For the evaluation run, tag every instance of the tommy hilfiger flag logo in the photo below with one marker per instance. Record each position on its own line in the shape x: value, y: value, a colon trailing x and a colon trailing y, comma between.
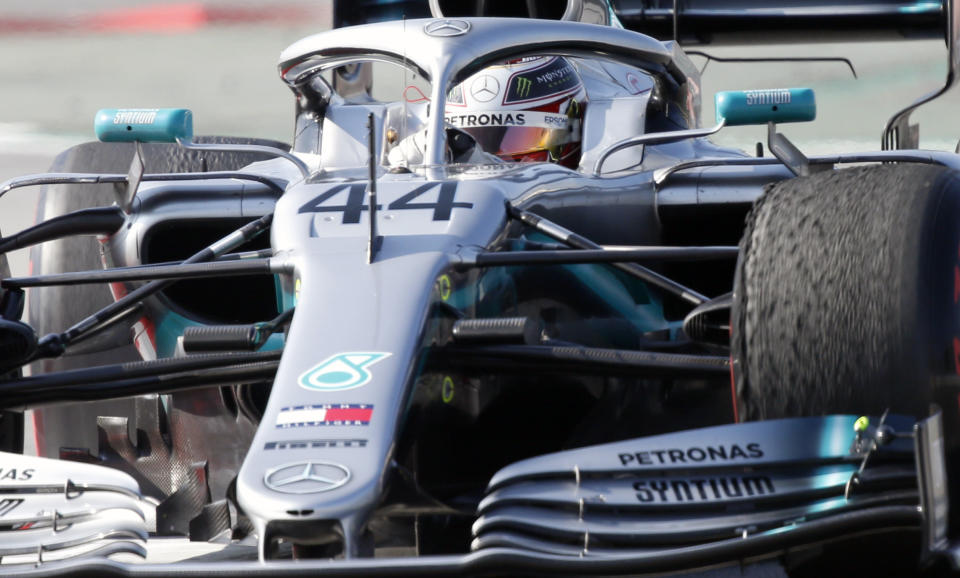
x: 325, y: 414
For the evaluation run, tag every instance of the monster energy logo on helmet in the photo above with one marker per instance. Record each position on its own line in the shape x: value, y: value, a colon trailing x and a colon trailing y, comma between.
x: 555, y: 77
x: 523, y: 86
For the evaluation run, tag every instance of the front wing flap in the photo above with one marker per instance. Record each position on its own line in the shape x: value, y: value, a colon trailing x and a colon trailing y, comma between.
x: 675, y: 501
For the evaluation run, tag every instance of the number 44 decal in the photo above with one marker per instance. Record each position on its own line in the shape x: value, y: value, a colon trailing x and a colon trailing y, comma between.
x: 356, y: 205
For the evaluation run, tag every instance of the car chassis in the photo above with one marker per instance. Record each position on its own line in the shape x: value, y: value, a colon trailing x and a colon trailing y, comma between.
x: 394, y: 290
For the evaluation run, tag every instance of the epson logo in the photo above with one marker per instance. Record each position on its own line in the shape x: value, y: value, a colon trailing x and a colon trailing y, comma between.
x: 765, y: 97
x: 692, y: 455
x: 556, y: 121
x: 135, y: 117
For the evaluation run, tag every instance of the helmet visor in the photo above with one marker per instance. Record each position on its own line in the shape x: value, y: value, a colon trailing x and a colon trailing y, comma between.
x: 511, y: 133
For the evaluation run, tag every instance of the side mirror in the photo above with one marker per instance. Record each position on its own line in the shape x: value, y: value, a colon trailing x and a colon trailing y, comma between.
x: 777, y: 105
x: 140, y: 125
x: 144, y: 124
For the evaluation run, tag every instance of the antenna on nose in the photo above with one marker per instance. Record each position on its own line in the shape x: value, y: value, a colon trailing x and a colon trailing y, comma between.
x: 375, y: 240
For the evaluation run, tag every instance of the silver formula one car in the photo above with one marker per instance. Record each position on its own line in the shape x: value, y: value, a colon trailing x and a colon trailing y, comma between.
x: 523, y: 318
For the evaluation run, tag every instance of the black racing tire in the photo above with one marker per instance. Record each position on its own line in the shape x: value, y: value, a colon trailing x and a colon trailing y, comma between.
x: 845, y: 298
x: 53, y: 309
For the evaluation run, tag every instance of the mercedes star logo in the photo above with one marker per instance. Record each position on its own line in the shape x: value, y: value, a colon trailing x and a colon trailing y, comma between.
x: 485, y: 88
x: 306, y: 477
x: 447, y: 27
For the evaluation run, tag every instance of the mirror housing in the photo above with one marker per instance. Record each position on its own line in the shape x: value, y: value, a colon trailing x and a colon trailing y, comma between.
x: 777, y: 105
x: 144, y: 124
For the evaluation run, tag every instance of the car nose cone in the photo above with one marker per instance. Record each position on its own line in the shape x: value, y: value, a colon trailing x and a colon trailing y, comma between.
x: 306, y: 477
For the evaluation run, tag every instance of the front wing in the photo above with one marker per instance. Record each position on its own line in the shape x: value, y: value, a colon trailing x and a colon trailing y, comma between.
x: 677, y: 501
